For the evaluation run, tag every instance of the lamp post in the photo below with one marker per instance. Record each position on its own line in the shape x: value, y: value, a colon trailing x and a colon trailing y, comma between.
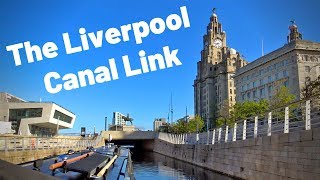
x: 105, y: 123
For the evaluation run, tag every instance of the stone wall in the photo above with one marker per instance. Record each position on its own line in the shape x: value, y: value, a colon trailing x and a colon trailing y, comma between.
x: 295, y: 155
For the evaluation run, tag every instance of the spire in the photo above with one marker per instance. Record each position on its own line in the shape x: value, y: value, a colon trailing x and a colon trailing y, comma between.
x: 214, y: 12
x: 214, y: 25
x: 294, y: 33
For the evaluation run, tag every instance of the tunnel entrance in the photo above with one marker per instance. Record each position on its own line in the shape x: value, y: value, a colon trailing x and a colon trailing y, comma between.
x: 139, y: 145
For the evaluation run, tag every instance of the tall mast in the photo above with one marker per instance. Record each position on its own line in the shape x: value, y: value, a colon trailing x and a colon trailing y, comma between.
x: 171, y: 109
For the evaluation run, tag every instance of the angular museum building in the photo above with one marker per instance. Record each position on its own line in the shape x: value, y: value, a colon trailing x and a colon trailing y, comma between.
x: 32, y: 118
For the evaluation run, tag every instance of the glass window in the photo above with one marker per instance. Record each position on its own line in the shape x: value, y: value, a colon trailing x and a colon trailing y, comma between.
x: 63, y: 117
x: 285, y: 74
x: 254, y: 94
x: 269, y: 79
x: 16, y: 115
x: 270, y: 89
x: 262, y: 92
x: 248, y: 95
x: 260, y: 71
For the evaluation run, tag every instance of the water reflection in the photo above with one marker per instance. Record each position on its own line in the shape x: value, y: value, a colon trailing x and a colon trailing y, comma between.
x: 155, y: 166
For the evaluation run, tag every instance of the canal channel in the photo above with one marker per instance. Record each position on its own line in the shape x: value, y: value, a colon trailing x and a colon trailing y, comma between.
x: 154, y: 166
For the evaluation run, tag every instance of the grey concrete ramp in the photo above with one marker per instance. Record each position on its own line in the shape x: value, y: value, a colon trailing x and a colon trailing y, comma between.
x: 10, y: 171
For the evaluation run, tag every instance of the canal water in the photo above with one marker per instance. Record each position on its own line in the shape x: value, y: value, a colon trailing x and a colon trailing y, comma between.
x: 154, y: 166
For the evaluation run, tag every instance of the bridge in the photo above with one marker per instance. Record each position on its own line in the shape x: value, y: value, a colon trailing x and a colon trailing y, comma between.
x: 142, y: 140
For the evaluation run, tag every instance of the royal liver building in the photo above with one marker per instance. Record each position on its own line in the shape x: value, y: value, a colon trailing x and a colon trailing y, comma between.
x: 214, y: 85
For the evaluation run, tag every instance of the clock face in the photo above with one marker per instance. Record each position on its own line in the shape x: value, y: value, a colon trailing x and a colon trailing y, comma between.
x: 217, y: 43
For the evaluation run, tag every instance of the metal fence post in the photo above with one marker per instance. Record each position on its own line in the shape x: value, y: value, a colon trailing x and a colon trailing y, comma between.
x: 226, y: 135
x: 244, y: 132
x: 219, y: 135
x: 213, y: 136
x: 286, y: 120
x: 308, y: 124
x: 234, y: 135
x: 269, y: 123
x: 255, y: 130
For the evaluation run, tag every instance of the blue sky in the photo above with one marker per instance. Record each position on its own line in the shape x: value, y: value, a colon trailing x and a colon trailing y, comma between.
x: 145, y: 96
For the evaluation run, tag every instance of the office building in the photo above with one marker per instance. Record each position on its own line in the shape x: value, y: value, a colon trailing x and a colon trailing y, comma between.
x: 158, y: 122
x: 118, y: 119
x: 292, y: 65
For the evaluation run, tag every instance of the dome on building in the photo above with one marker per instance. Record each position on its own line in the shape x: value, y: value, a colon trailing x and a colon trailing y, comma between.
x: 214, y: 15
x: 293, y: 26
x: 233, y: 51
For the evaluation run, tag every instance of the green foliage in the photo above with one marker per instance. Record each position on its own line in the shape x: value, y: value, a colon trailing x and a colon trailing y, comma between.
x: 182, y: 126
x: 241, y: 111
x: 311, y: 89
x: 281, y: 98
x: 247, y: 109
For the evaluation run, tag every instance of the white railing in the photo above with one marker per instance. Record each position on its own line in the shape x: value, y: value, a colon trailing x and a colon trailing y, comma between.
x: 16, y: 143
x: 300, y: 115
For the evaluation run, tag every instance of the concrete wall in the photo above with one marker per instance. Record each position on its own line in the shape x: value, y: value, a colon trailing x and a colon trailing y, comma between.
x: 129, y: 135
x: 17, y: 157
x: 281, y: 156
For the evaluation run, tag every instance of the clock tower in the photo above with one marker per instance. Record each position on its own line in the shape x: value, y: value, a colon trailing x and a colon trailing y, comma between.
x: 214, y: 86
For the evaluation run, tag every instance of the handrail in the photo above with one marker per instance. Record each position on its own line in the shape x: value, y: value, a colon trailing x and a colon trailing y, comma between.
x: 107, y: 166
x: 60, y: 164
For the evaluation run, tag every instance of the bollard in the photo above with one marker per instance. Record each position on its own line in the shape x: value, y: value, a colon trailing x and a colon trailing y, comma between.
x: 269, y: 123
x: 308, y: 125
x: 244, y: 132
x: 286, y: 120
x: 213, y: 136
x: 219, y: 135
x: 255, y: 130
x: 226, y: 135
x: 234, y: 137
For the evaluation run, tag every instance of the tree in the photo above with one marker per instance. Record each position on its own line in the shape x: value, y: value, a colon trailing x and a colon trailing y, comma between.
x: 182, y: 126
x: 195, y: 124
x: 281, y: 98
x: 311, y: 89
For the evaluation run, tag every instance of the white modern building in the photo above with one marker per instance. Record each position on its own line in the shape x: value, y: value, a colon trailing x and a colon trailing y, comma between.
x: 118, y: 119
x: 33, y: 118
x: 158, y: 122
